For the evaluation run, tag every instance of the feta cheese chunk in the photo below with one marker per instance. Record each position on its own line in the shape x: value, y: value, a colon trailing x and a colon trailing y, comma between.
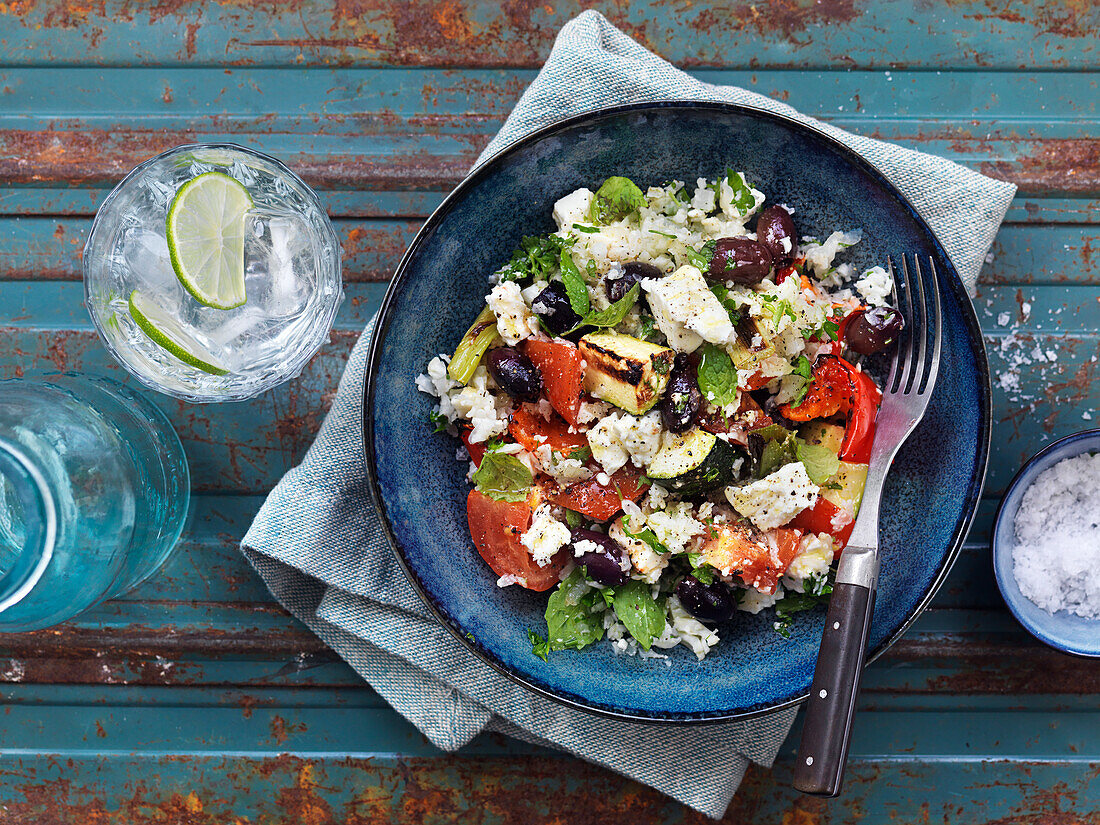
x: 515, y: 320
x: 876, y: 286
x: 621, y: 437
x: 686, y: 311
x: 776, y: 499
x: 573, y: 208
x: 545, y: 537
x: 815, y: 557
x: 647, y: 562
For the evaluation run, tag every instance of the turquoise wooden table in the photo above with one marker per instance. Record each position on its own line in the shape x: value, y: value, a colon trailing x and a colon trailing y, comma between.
x: 198, y: 700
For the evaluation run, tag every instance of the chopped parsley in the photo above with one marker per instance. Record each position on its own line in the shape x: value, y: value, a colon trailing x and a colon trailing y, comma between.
x: 539, y: 646
x: 438, y: 421
x: 701, y: 259
x: 536, y: 258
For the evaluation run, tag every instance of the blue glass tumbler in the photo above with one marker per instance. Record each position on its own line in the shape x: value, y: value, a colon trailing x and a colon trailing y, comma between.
x: 94, y: 491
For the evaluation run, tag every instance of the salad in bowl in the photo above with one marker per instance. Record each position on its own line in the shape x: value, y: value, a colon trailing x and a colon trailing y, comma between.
x: 664, y: 412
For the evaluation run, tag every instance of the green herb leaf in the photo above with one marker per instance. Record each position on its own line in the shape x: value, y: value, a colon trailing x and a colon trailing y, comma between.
x: 701, y: 259
x: 802, y: 369
x: 503, y: 477
x: 717, y: 376
x: 614, y: 314
x: 777, y: 453
x: 647, y: 329
x: 742, y: 193
x: 616, y: 198
x: 608, y: 595
x: 820, y: 462
x: 588, y: 230
x: 571, y: 621
x: 646, y: 535
x: 664, y: 234
x: 701, y: 570
x: 732, y: 307
x: 539, y: 646
x: 575, y: 287
x: 828, y: 331
x: 438, y: 421
x: 580, y: 453
x: 636, y: 608
x: 793, y: 603
x: 573, y: 519
x: 536, y: 258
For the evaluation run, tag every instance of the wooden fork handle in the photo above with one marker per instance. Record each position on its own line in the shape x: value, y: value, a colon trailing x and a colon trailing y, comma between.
x: 828, y: 724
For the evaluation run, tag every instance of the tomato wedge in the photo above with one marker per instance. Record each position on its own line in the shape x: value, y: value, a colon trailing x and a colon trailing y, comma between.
x: 822, y: 518
x: 562, y: 369
x: 476, y: 449
x: 745, y: 552
x: 496, y: 528
x: 532, y: 431
x: 600, y: 501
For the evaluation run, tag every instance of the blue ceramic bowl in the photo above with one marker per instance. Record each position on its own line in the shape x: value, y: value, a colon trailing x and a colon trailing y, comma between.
x: 439, y: 288
x: 1063, y: 630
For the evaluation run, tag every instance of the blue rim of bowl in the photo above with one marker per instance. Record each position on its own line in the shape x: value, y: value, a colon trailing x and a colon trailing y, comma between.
x: 1022, y: 475
x: 374, y: 356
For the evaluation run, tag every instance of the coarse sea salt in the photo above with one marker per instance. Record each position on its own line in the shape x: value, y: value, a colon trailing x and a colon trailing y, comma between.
x: 1056, y: 559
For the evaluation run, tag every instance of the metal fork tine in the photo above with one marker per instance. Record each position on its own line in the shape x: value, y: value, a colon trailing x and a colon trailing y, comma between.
x: 889, y: 384
x: 920, y: 364
x: 935, y: 325
x: 905, y: 352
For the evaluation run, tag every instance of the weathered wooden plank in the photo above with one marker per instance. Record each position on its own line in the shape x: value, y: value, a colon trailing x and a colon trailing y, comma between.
x: 36, y: 247
x: 433, y: 102
x: 1053, y: 167
x: 839, y: 33
x: 498, y: 788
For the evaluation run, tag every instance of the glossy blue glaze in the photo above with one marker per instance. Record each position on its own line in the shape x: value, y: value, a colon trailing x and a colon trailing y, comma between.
x: 1063, y: 630
x: 439, y: 288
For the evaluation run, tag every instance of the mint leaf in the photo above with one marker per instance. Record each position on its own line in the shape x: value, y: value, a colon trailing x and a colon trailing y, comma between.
x: 573, y: 519
x: 776, y: 453
x: 616, y: 198
x: 717, y: 376
x: 820, y: 462
x: 732, y: 307
x: 503, y: 477
x: 571, y: 621
x: 539, y: 646
x: 643, y: 617
x: 438, y: 421
x: 575, y: 286
x: 701, y: 259
x: 614, y: 314
x: 742, y: 193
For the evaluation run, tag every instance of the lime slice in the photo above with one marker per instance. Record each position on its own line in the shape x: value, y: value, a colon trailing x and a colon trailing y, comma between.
x: 155, y: 321
x: 205, y: 229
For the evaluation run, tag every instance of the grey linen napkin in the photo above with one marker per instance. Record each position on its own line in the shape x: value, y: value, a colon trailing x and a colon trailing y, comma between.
x: 318, y: 544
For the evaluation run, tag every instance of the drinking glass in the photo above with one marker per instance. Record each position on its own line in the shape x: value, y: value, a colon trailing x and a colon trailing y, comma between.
x: 160, y: 332
x: 94, y: 493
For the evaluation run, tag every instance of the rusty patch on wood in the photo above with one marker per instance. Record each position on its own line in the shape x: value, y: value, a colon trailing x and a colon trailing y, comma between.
x: 1053, y: 167
x: 971, y: 665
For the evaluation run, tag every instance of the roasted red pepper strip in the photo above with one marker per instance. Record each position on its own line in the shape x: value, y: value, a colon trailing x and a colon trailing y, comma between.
x: 859, y: 434
x: 600, y: 501
x: 838, y: 387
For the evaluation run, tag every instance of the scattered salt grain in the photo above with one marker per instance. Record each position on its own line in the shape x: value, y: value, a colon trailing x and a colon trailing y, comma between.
x: 1057, y: 554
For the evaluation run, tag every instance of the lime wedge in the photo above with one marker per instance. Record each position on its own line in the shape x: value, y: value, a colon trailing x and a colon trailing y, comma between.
x: 164, y: 329
x: 205, y: 229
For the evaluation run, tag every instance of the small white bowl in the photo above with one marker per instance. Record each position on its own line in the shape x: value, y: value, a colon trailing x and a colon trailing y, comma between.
x: 1063, y: 630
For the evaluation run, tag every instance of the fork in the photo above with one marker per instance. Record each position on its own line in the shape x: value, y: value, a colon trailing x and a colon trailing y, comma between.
x: 827, y: 729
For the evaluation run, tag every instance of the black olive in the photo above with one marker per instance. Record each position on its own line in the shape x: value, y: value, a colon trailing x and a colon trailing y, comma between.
x: 632, y: 273
x: 604, y: 564
x: 873, y: 330
x: 712, y: 603
x: 515, y: 373
x: 741, y: 260
x: 552, y: 306
x: 682, y: 400
x: 775, y: 230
